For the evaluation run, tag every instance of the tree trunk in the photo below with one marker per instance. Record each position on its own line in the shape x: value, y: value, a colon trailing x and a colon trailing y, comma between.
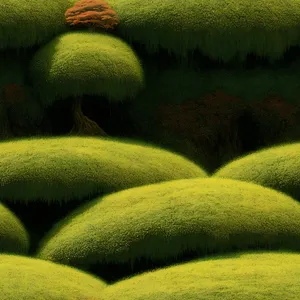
x: 82, y: 124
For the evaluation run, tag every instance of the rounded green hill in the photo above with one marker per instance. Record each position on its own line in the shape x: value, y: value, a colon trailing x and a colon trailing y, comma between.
x: 25, y: 24
x: 162, y: 221
x: 247, y: 276
x: 276, y: 167
x: 221, y: 29
x: 28, y: 278
x: 86, y: 63
x: 70, y: 168
x: 13, y: 236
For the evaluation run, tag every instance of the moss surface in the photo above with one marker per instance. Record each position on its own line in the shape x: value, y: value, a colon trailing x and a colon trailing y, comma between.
x: 28, y: 278
x: 165, y: 220
x: 13, y: 236
x: 79, y: 63
x: 221, y: 29
x: 67, y: 168
x: 244, y: 276
x: 276, y: 167
x: 27, y: 23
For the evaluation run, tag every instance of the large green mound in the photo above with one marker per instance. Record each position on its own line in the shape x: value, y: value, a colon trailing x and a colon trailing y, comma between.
x: 247, y: 276
x: 276, y: 167
x: 27, y: 23
x: 166, y: 220
x: 13, y: 236
x: 221, y: 29
x: 24, y: 278
x: 67, y: 168
x: 79, y: 63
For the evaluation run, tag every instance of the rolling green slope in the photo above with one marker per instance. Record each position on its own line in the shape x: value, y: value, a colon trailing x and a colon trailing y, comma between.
x: 24, y: 278
x: 163, y: 221
x: 13, y: 236
x: 246, y: 276
x: 69, y: 168
x: 276, y: 167
x: 221, y: 29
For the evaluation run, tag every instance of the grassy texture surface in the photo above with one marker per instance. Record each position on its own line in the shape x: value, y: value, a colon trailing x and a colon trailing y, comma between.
x: 24, y: 278
x: 13, y: 236
x: 79, y: 63
x: 27, y: 23
x: 221, y: 29
x: 164, y: 220
x: 246, y: 276
x: 275, y: 167
x: 68, y: 168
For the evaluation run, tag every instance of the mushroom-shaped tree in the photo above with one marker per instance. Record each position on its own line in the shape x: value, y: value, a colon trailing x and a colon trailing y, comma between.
x: 85, y: 63
x: 95, y: 14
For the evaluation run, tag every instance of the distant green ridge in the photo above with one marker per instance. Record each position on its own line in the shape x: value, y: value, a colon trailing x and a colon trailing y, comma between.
x: 221, y: 29
x: 24, y: 278
x: 25, y: 24
x: 163, y: 221
x: 275, y: 167
x: 247, y: 276
x: 59, y: 169
x: 13, y: 236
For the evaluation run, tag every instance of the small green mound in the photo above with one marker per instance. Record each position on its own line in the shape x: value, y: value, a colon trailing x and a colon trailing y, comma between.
x: 68, y: 168
x: 25, y: 24
x: 247, y: 276
x: 163, y: 221
x: 13, y: 236
x: 79, y: 63
x: 221, y: 29
x: 276, y: 167
x: 25, y: 278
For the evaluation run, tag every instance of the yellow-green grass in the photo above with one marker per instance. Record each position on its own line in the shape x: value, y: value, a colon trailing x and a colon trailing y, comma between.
x: 79, y: 63
x: 221, y: 29
x: 13, y: 236
x: 25, y: 24
x: 275, y: 167
x: 164, y: 221
x: 25, y: 278
x: 260, y: 276
x: 68, y: 168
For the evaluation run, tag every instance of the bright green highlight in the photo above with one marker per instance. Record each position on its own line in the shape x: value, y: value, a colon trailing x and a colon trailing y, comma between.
x: 79, y: 63
x: 28, y: 278
x: 275, y: 167
x: 13, y: 236
x: 247, y: 276
x: 28, y: 23
x: 221, y: 29
x: 68, y: 168
x: 162, y: 221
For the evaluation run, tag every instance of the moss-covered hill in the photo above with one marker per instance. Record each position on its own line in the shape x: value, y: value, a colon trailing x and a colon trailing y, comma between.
x: 24, y: 278
x: 276, y: 167
x: 220, y: 29
x: 13, y: 236
x: 162, y: 222
x: 70, y: 168
x: 246, y: 276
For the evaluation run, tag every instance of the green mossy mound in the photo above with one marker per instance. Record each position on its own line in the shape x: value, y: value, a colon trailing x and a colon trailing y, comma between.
x: 164, y: 221
x: 13, y: 236
x: 276, y: 167
x: 69, y: 168
x: 25, y: 278
x: 247, y: 276
x: 221, y: 29
x: 79, y: 63
x: 25, y: 24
